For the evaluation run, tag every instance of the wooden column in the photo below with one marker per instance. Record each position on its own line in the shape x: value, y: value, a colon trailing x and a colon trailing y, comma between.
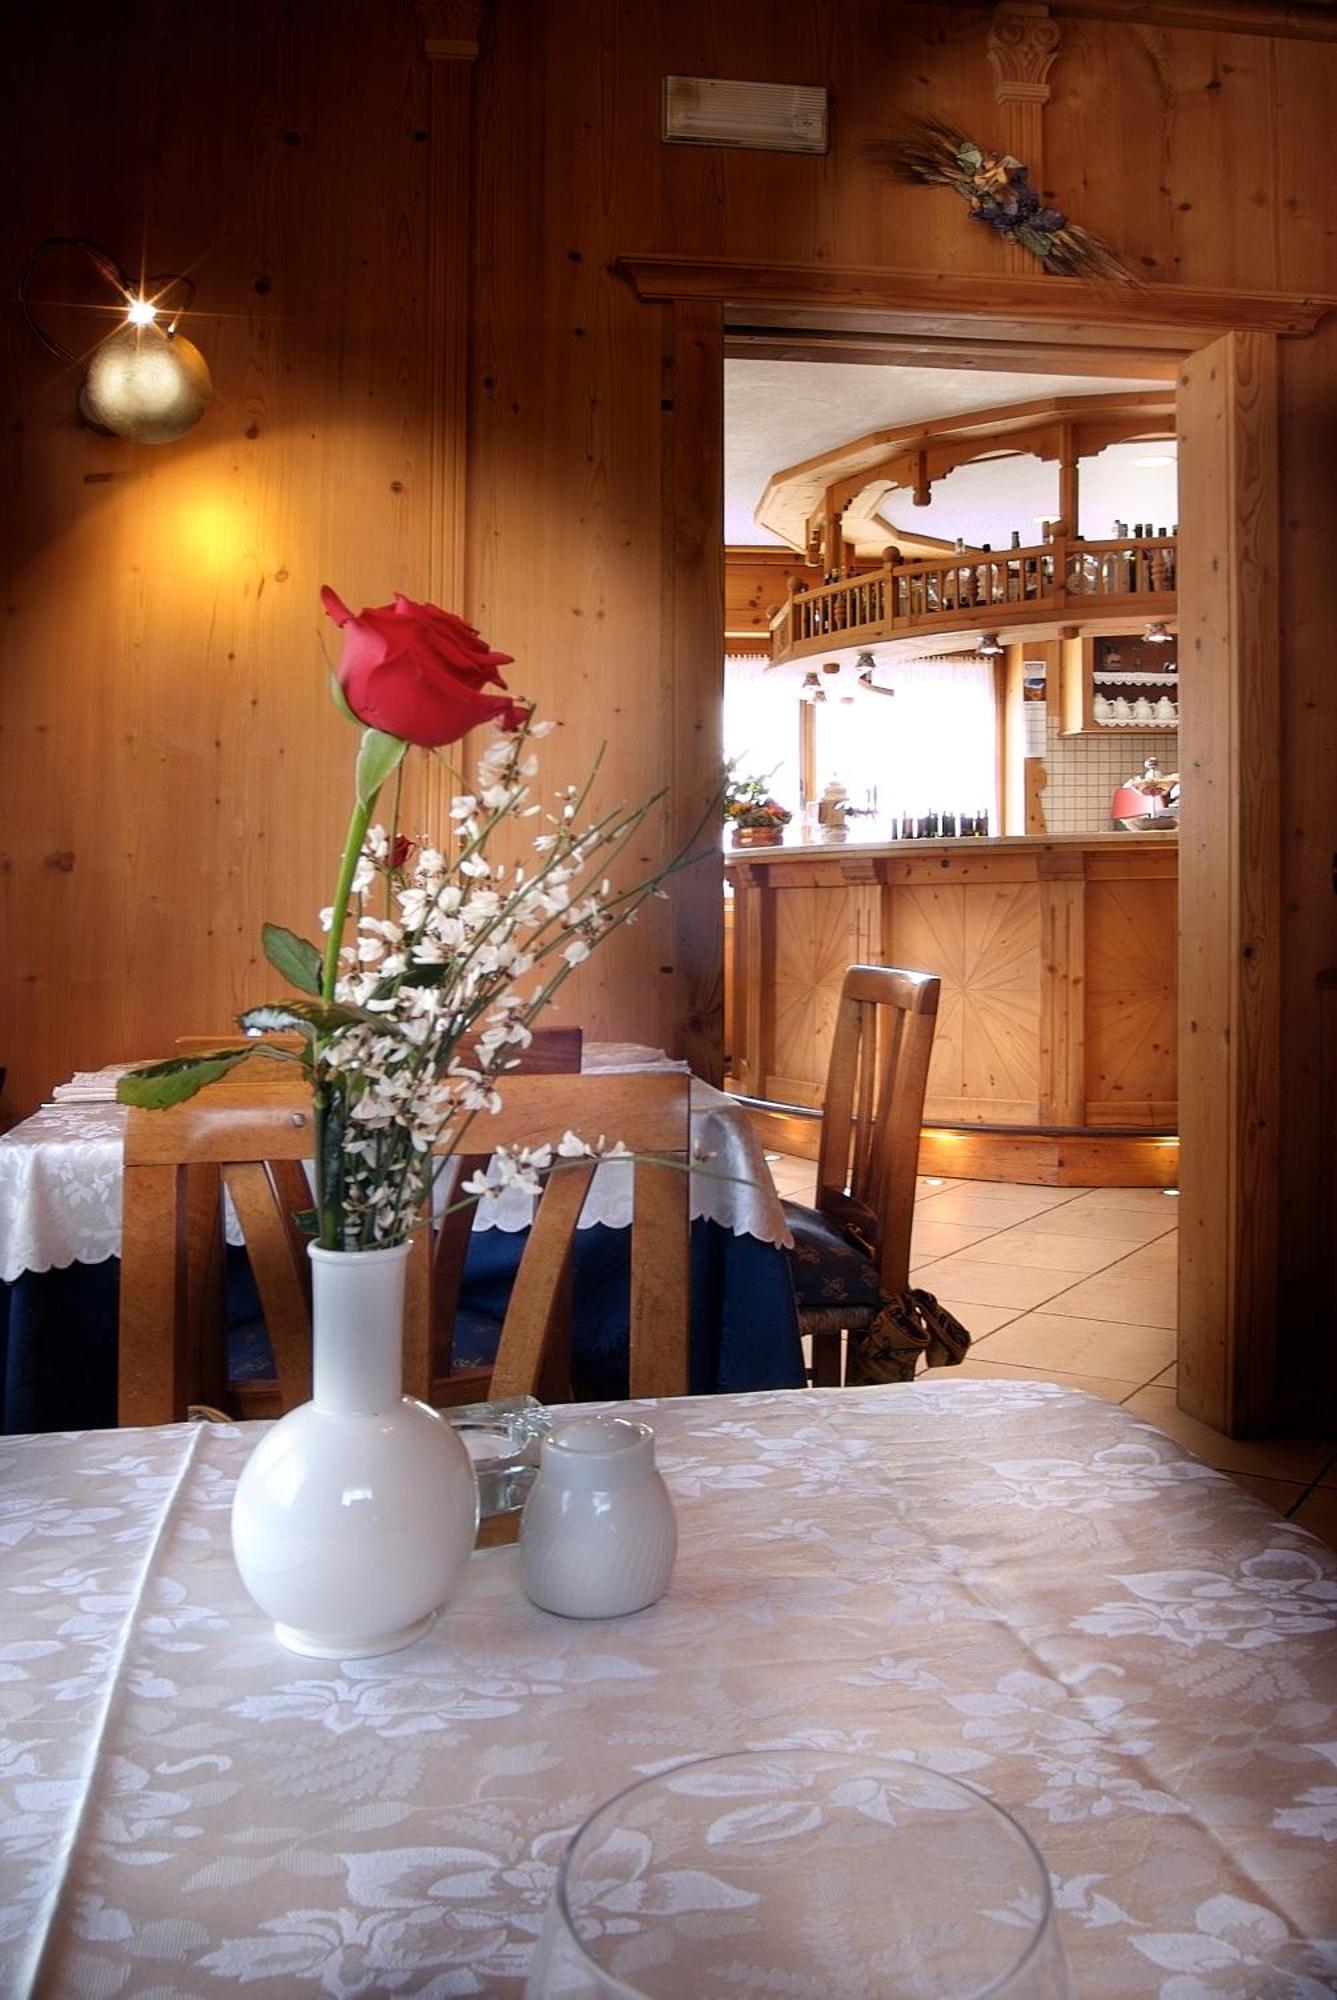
x: 1023, y: 42
x: 1229, y: 857
x: 450, y: 42
x: 693, y: 619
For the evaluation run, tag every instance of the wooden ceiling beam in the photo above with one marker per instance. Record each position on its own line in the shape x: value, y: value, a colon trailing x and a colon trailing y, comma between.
x: 891, y: 350
x: 1180, y: 318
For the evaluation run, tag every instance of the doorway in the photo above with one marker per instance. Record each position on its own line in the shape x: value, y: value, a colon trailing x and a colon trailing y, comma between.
x: 1229, y: 866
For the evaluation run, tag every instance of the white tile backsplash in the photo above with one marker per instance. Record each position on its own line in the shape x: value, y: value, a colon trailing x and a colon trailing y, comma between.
x: 1083, y: 772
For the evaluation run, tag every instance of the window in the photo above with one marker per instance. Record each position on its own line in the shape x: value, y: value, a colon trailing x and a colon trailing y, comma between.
x: 761, y: 720
x: 933, y: 748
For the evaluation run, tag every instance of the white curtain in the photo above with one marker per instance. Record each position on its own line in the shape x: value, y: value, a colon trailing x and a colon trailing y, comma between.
x: 931, y: 748
x: 761, y: 713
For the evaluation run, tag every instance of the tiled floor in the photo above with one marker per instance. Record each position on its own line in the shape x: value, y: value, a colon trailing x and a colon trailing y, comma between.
x: 1077, y: 1285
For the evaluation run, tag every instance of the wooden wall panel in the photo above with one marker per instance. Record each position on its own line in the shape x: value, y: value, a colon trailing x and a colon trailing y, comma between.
x: 1306, y: 1306
x: 1230, y: 884
x: 756, y: 584
x: 171, y: 768
x: 1131, y: 1002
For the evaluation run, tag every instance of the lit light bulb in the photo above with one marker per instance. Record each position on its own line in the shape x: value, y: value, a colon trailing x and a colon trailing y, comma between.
x: 145, y: 383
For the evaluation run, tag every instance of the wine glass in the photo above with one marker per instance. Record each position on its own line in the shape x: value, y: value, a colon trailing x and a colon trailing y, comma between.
x: 821, y: 1873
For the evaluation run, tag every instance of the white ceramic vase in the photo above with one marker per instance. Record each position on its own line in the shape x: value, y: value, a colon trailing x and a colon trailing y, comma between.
x: 356, y: 1512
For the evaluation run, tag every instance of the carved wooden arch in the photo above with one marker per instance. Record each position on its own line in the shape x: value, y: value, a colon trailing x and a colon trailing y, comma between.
x: 805, y: 503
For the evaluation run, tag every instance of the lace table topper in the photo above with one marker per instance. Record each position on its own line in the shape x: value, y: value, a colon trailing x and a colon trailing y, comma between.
x: 60, y: 1176
x: 1009, y: 1583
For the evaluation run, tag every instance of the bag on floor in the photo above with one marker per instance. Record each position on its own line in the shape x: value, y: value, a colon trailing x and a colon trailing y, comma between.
x: 908, y: 1326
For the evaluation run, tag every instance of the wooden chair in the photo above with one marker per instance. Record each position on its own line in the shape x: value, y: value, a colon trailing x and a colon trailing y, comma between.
x: 251, y: 1134
x: 852, y: 1247
x: 650, y: 1114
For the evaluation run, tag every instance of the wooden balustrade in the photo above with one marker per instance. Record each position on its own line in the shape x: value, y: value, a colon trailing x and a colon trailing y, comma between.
x: 1063, y: 578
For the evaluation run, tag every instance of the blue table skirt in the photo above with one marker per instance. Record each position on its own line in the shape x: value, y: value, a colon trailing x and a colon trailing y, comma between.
x: 58, y: 1328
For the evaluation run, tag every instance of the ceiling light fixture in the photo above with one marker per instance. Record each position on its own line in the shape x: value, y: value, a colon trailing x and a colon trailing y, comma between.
x: 145, y: 381
x: 990, y: 646
x: 866, y: 665
x: 1155, y: 633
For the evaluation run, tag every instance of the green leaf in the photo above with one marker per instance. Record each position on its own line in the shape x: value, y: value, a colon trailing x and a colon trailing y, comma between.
x: 159, y: 1084
x: 340, y: 700
x: 298, y: 961
x: 305, y: 1017
x: 1034, y: 240
x: 970, y: 157
x: 377, y: 758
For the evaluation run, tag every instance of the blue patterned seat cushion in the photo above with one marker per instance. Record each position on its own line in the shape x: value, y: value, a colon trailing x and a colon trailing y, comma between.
x: 825, y: 1266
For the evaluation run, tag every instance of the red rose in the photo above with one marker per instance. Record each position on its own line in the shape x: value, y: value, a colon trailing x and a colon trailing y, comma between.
x: 419, y: 673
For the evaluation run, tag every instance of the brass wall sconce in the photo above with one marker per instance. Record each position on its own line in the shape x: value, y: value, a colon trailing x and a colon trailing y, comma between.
x: 145, y: 381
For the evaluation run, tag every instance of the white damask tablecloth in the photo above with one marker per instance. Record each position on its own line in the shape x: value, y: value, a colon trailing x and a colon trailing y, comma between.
x: 60, y: 1176
x: 1012, y: 1583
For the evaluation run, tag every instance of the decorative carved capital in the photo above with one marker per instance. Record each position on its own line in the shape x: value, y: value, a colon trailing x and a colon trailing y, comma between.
x: 450, y: 29
x: 1023, y: 42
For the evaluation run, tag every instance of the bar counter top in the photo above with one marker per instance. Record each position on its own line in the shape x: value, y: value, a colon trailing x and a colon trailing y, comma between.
x: 960, y: 845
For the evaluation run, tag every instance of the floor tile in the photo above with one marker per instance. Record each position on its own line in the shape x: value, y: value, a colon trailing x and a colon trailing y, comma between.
x: 1279, y: 1493
x: 989, y: 1284
x: 939, y: 1239
x: 982, y: 1369
x: 1142, y: 1201
x: 1318, y: 1513
x: 995, y: 1211
x: 1035, y: 1250
x: 1272, y: 1458
x: 1149, y: 1299
x: 1119, y: 1225
x: 1128, y: 1354
x: 1030, y: 1191
x: 978, y: 1320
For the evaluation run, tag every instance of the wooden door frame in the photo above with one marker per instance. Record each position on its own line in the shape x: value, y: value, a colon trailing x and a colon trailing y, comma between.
x: 1230, y: 884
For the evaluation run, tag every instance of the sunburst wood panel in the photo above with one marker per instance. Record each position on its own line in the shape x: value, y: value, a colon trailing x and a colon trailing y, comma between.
x: 983, y: 941
x: 819, y: 933
x: 1131, y: 1001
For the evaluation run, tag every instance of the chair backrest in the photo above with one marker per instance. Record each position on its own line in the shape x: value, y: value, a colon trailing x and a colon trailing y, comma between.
x: 551, y: 1051
x: 650, y: 1114
x: 874, y: 1107
x: 251, y: 1133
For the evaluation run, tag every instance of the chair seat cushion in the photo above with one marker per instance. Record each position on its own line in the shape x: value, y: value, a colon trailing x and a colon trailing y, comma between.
x: 825, y: 1266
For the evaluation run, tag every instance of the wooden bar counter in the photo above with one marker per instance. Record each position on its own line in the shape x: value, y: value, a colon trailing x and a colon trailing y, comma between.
x: 1054, y: 1058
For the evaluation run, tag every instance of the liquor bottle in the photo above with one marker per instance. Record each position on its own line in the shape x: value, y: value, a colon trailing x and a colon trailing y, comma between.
x: 949, y: 826
x: 1016, y: 538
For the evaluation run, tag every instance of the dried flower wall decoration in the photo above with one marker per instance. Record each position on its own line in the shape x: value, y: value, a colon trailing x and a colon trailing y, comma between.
x: 931, y: 153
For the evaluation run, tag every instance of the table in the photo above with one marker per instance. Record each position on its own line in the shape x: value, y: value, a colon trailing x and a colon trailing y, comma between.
x: 60, y: 1234
x: 1012, y: 1583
